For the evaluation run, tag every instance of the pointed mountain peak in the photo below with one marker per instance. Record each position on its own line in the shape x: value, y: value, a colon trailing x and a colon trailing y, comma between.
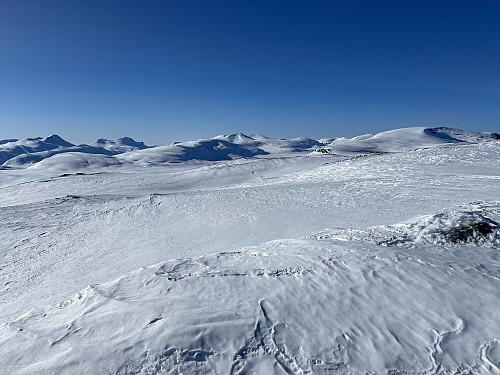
x: 57, y: 140
x: 238, y: 138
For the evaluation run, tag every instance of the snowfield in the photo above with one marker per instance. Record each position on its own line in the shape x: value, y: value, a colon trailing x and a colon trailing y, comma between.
x: 378, y: 254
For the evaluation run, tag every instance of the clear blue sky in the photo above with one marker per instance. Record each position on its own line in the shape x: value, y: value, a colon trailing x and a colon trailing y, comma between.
x: 161, y: 71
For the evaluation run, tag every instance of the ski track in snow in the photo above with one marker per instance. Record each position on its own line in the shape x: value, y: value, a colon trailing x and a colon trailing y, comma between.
x: 378, y: 263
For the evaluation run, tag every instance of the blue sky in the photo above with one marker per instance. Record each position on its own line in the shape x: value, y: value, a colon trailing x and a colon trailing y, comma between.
x: 163, y: 71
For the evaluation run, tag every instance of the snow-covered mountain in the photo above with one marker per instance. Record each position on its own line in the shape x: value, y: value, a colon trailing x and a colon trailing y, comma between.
x: 121, y: 145
x: 10, y: 148
x: 407, y: 139
x: 29, y: 152
x: 244, y: 254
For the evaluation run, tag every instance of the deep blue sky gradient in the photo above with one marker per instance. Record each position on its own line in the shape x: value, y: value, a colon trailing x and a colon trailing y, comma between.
x: 163, y: 71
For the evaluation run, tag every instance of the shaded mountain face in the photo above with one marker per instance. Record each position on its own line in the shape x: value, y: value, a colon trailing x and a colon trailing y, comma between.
x: 23, y: 153
x: 57, y: 141
x: 214, y: 150
x: 459, y: 135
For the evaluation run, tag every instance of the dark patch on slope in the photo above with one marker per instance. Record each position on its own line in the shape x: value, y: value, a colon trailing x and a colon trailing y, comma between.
x: 470, y: 232
x: 215, y: 150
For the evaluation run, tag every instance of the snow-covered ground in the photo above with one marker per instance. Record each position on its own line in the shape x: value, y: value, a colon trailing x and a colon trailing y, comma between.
x: 244, y: 254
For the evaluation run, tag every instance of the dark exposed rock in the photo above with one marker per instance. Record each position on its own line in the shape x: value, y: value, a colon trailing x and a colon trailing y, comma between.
x: 324, y: 151
x: 466, y: 234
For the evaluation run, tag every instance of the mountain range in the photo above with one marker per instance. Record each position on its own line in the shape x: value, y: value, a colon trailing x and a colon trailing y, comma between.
x: 54, y: 150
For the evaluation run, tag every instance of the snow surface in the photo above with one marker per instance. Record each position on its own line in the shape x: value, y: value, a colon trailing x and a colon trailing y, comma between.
x: 380, y: 255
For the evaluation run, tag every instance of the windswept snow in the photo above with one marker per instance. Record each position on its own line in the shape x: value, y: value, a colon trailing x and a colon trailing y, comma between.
x: 289, y: 306
x: 245, y: 254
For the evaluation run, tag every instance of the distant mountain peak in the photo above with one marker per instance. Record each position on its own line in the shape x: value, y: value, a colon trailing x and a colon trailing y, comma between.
x: 103, y: 141
x: 131, y: 142
x: 237, y: 138
x: 239, y: 134
x: 126, y: 141
x: 56, y: 140
x: 121, y: 144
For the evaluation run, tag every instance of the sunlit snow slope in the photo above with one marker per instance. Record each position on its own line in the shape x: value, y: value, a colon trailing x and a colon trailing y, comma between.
x: 244, y: 254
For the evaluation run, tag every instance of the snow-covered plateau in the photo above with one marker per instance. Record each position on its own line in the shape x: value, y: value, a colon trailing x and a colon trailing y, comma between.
x: 378, y: 254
